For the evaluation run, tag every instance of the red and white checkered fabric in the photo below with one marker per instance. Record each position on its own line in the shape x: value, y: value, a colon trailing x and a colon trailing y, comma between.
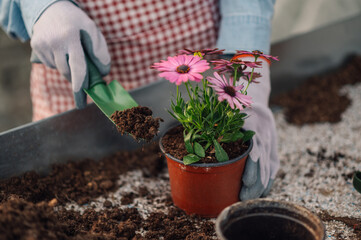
x: 138, y: 33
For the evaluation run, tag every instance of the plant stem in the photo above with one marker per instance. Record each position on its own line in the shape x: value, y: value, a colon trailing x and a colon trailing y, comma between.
x: 249, y: 81
x: 216, y: 106
x: 235, y: 75
x: 189, y: 94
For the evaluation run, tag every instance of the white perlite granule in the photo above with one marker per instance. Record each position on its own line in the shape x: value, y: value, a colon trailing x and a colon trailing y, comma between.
x: 130, y: 182
x: 319, y: 183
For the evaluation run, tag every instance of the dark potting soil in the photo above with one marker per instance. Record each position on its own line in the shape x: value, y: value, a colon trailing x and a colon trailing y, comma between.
x: 319, y: 99
x: 20, y: 219
x: 27, y: 203
x: 138, y: 122
x: 173, y: 143
x: 84, y: 180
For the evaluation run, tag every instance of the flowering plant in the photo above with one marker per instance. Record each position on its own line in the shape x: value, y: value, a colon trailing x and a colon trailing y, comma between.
x: 214, y: 113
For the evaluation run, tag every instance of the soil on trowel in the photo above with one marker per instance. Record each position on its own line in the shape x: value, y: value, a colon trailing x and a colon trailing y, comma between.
x: 173, y: 143
x: 319, y: 98
x: 138, y: 122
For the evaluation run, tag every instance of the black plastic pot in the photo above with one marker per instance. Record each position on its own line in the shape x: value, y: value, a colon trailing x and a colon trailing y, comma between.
x: 268, y: 219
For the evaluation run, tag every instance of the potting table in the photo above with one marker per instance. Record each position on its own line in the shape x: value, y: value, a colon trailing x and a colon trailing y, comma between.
x: 87, y: 133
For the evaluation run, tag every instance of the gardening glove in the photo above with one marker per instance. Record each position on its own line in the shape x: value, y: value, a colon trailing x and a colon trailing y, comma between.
x: 262, y: 163
x: 61, y: 38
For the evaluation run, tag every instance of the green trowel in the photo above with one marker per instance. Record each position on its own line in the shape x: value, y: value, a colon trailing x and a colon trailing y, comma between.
x: 109, y: 98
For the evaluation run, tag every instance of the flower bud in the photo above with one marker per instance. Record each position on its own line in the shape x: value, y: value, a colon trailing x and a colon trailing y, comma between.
x: 230, y: 114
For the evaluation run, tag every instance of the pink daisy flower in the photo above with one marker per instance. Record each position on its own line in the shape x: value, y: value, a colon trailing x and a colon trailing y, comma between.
x: 259, y: 54
x: 207, y: 51
x: 246, y: 63
x: 226, y: 91
x: 182, y: 68
x: 247, y: 75
x: 223, y: 66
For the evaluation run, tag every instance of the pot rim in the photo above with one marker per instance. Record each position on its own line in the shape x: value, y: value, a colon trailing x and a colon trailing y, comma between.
x: 205, y: 165
x: 357, y: 181
x: 261, y: 203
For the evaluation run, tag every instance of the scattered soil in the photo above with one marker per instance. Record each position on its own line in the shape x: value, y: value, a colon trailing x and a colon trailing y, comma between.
x: 173, y: 143
x: 177, y: 225
x: 138, y: 122
x: 84, y: 180
x: 322, y: 157
x: 27, y: 203
x: 20, y: 219
x: 319, y: 98
x: 128, y: 198
x: 354, y: 223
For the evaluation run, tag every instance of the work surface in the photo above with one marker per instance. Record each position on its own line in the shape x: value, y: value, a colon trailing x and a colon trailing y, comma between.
x: 317, y: 163
x: 317, y: 160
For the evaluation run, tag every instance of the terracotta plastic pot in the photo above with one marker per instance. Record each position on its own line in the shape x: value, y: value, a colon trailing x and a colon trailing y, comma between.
x: 266, y: 219
x: 205, y: 189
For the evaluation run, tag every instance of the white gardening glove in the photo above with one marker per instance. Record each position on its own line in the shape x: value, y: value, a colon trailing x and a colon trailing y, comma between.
x: 61, y: 37
x: 263, y: 163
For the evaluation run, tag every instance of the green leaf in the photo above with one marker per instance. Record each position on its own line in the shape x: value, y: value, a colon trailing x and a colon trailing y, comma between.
x: 236, y: 136
x: 207, y: 145
x: 188, y: 136
x: 221, y: 155
x: 247, y: 135
x: 178, y: 110
x: 243, y: 115
x: 198, y: 149
x: 189, y: 146
x: 232, y: 137
x: 190, y: 158
x: 196, y: 136
x: 187, y: 140
x: 217, y: 117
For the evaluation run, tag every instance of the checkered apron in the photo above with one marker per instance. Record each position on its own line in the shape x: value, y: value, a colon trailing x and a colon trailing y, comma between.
x: 138, y: 33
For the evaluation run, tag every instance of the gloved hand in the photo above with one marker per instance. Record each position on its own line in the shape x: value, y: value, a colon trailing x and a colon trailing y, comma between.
x: 262, y: 163
x: 61, y: 37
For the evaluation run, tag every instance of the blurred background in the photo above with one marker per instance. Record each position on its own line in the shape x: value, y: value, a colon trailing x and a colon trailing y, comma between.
x: 292, y: 18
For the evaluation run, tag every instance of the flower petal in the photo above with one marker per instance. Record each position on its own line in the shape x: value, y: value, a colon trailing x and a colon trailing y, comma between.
x: 239, y: 105
x: 170, y: 76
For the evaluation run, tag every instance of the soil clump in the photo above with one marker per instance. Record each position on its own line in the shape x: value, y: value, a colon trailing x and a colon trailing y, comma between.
x: 318, y: 99
x: 138, y: 122
x: 173, y: 143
